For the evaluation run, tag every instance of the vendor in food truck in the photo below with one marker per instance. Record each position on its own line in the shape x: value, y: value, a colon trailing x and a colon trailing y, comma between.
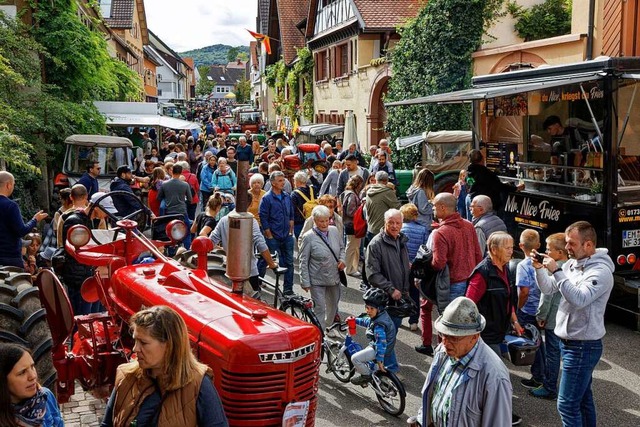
x: 563, y: 139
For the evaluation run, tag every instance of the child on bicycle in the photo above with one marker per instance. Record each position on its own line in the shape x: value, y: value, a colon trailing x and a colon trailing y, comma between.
x: 381, y: 333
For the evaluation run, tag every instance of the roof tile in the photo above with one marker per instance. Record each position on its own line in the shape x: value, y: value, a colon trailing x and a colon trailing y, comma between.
x: 121, y: 14
x: 290, y: 12
x: 385, y: 14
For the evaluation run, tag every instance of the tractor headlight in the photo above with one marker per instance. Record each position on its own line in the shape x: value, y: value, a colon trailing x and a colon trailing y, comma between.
x: 78, y: 235
x: 176, y: 230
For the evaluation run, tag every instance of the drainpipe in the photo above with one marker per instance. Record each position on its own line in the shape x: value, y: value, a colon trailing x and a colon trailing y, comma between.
x: 590, y: 28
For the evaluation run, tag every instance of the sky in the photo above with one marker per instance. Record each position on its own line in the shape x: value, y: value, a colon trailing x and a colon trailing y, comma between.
x: 191, y: 24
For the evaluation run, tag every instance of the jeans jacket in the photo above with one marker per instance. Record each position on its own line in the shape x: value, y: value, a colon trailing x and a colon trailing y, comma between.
x: 483, y: 398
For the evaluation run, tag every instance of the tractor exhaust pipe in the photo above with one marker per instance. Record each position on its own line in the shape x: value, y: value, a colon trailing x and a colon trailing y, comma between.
x: 240, y: 251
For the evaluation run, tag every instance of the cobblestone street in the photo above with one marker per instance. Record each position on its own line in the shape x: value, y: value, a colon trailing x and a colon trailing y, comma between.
x: 83, y: 410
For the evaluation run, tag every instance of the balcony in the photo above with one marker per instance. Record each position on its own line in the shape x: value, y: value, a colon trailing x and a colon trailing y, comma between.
x: 332, y: 14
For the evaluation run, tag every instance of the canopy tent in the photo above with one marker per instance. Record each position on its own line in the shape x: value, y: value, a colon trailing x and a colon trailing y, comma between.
x: 230, y: 95
x: 146, y: 120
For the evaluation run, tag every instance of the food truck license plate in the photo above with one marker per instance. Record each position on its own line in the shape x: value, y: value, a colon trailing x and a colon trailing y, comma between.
x: 630, y: 238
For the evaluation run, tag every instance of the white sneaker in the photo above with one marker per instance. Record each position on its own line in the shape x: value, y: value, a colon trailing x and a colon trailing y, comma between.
x: 413, y: 327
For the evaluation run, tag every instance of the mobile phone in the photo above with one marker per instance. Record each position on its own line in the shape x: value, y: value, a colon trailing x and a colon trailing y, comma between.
x: 539, y: 257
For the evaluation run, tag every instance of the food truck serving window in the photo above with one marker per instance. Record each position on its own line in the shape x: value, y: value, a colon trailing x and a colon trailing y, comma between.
x: 628, y: 108
x: 551, y: 135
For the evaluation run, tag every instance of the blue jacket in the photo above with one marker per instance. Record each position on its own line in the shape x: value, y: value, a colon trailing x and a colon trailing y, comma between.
x: 206, y: 175
x: 276, y: 213
x: 124, y: 204
x: 12, y: 229
x: 225, y: 182
x: 52, y: 416
x: 90, y: 183
x: 417, y: 234
x: 381, y: 333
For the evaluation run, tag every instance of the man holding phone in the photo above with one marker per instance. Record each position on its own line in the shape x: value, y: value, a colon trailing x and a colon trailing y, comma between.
x: 585, y: 283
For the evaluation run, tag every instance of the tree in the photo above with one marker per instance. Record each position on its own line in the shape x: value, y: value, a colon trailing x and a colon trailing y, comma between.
x: 549, y: 19
x: 243, y: 91
x: 232, y: 54
x: 434, y: 56
x: 205, y: 86
x: 34, y: 119
x: 78, y: 64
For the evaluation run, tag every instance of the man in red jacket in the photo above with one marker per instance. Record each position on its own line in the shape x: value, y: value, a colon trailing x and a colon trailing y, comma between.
x: 454, y: 245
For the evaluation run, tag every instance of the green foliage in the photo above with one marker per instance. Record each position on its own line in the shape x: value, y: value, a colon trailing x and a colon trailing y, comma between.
x: 16, y: 152
x: 434, y: 56
x: 278, y: 75
x: 232, y: 54
x: 78, y: 64
x: 215, y: 54
x: 35, y: 118
x: 205, y: 86
x: 549, y: 19
x: 243, y: 91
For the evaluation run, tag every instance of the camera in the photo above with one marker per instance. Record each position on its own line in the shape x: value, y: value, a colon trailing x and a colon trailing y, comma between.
x: 538, y: 257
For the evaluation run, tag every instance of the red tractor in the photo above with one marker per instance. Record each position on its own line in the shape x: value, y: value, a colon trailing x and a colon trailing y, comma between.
x: 264, y: 360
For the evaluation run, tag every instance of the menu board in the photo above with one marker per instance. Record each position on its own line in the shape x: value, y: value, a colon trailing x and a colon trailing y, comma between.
x: 502, y: 158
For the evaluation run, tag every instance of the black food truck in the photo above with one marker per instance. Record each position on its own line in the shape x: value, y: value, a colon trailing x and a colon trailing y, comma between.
x: 571, y: 134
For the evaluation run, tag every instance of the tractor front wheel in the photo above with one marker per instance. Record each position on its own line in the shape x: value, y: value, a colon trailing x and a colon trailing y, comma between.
x: 23, y: 321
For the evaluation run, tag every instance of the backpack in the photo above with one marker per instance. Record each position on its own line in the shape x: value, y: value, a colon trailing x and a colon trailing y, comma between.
x: 359, y: 222
x: 309, y: 203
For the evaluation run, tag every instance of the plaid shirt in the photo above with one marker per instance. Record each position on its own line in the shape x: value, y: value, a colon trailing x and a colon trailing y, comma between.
x: 449, y: 377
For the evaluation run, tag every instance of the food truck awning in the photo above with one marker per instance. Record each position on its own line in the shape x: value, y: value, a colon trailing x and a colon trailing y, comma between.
x: 145, y: 120
x: 478, y: 93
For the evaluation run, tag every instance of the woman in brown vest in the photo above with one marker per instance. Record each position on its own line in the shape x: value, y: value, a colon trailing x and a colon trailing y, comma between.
x: 166, y: 386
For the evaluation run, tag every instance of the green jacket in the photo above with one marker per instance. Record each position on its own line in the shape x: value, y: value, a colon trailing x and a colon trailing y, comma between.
x: 379, y: 199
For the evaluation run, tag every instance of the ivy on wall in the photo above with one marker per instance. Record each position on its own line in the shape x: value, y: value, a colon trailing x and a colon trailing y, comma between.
x: 278, y: 76
x: 549, y: 19
x: 432, y: 56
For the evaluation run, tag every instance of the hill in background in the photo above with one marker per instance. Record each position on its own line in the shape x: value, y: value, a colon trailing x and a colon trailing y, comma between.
x: 216, y: 54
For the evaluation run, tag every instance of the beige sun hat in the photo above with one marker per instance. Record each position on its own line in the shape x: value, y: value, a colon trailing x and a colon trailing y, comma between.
x: 460, y: 318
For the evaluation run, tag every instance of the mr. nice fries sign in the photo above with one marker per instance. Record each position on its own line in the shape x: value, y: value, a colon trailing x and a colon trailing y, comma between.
x: 532, y: 213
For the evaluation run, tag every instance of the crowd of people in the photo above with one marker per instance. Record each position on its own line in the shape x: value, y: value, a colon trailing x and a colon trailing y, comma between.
x: 479, y: 297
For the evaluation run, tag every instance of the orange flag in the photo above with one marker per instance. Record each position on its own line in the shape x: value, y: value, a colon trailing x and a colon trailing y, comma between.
x: 263, y: 39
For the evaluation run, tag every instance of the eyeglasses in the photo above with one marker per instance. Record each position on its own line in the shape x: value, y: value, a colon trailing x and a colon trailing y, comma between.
x: 452, y: 338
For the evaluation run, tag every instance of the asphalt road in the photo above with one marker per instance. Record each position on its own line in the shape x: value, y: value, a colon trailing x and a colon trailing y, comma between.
x: 616, y: 382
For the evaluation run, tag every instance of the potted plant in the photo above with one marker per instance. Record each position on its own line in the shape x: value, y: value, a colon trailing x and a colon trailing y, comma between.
x: 596, y: 190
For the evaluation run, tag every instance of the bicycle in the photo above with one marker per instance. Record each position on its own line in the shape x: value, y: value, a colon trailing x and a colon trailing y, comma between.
x: 388, y: 388
x: 295, y: 305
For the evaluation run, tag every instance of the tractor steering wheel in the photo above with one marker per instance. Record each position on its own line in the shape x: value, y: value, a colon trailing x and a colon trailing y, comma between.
x: 140, y: 215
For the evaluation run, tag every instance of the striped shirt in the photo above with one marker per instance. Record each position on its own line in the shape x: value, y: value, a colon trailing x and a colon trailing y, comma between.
x: 449, y: 376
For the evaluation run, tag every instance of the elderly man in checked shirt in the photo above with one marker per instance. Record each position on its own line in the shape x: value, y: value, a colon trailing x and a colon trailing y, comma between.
x: 467, y: 385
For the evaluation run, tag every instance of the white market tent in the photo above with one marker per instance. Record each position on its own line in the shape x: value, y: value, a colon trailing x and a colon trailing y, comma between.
x: 147, y: 120
x: 142, y: 114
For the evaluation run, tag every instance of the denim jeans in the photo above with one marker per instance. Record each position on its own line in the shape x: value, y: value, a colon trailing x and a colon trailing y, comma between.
x: 538, y: 367
x: 552, y: 360
x: 457, y: 290
x: 575, y: 397
x: 284, y: 248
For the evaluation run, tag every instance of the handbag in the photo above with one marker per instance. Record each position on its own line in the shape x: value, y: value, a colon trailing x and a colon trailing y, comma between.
x: 341, y: 273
